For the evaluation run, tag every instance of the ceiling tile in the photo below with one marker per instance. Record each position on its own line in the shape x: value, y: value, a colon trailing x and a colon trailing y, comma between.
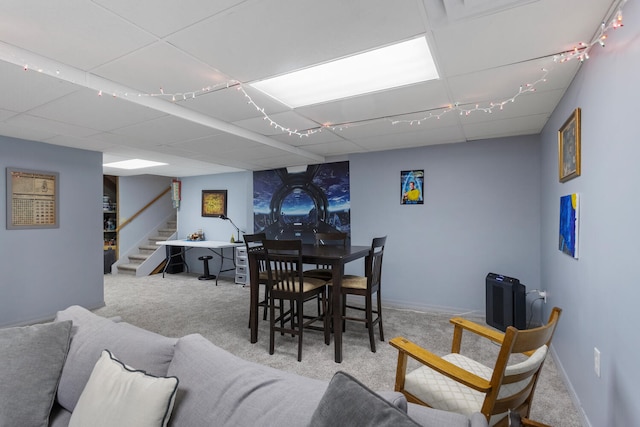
x: 23, y: 90
x: 297, y: 34
x: 160, y: 67
x: 75, y: 32
x: 86, y: 108
x: 164, y: 18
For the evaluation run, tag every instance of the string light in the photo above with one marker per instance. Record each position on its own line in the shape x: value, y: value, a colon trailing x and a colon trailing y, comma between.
x: 465, y: 111
x: 580, y: 52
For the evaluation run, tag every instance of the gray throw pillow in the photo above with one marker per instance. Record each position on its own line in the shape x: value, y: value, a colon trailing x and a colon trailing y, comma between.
x: 31, y: 358
x: 349, y: 403
x: 91, y: 334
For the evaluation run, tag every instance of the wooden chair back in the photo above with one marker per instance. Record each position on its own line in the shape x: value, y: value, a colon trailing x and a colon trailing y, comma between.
x: 327, y: 239
x: 284, y: 264
x: 373, y: 263
x: 333, y: 238
x: 523, y: 376
x: 255, y: 252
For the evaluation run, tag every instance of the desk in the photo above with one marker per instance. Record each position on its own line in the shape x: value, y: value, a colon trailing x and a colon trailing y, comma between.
x: 337, y: 257
x: 214, y: 246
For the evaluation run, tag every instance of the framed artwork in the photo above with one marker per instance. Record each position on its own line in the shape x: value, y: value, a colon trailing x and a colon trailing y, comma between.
x: 411, y: 187
x: 295, y: 203
x: 569, y: 224
x: 32, y: 199
x: 214, y: 203
x: 569, y: 147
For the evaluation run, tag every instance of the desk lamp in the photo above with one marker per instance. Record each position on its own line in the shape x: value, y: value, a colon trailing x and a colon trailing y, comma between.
x: 226, y: 218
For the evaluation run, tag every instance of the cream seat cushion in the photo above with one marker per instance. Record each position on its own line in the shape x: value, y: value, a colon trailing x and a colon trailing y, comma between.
x: 308, y: 283
x: 353, y: 282
x: 441, y: 392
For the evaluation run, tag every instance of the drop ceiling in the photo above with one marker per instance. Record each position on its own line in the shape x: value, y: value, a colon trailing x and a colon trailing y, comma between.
x: 168, y: 81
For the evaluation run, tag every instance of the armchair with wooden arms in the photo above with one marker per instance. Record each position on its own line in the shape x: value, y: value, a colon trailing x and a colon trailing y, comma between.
x: 458, y: 383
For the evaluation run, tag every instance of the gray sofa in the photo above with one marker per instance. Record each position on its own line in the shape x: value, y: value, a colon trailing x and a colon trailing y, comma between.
x: 214, y: 387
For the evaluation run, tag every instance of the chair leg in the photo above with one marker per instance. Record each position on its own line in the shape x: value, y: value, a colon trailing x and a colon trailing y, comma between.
x: 294, y: 309
x: 272, y: 325
x: 369, y: 315
x: 266, y: 299
x: 325, y: 320
x: 282, y: 317
x: 319, y: 303
x: 380, y: 315
x: 344, y: 312
x: 300, y: 305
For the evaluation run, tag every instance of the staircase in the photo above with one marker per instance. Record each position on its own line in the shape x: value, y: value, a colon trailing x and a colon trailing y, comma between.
x: 149, y: 252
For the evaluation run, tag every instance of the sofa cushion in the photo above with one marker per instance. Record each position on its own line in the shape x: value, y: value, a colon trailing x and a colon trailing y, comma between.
x: 349, y: 403
x: 218, y: 388
x: 31, y: 360
x: 91, y: 334
x: 119, y: 395
x: 59, y: 416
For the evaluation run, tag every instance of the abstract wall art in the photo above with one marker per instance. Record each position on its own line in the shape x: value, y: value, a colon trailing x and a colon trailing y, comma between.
x: 569, y: 224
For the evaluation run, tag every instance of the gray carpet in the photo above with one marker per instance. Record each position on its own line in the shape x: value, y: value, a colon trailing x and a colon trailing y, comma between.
x: 180, y: 304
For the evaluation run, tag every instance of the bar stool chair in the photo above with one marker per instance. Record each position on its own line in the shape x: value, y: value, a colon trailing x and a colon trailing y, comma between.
x: 284, y: 266
x: 253, y: 243
x: 206, y: 276
x: 365, y: 286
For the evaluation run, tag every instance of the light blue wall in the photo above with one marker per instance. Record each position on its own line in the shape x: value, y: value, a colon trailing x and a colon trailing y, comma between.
x: 46, y: 270
x: 239, y: 188
x: 134, y: 192
x: 481, y: 215
x: 599, y: 292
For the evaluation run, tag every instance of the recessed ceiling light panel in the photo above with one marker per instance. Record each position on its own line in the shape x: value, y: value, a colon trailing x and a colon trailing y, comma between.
x: 392, y: 66
x: 133, y: 164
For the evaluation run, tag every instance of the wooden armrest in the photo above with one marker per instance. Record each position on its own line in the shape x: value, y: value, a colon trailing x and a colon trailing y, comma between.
x: 483, y: 331
x: 439, y: 364
x: 478, y: 329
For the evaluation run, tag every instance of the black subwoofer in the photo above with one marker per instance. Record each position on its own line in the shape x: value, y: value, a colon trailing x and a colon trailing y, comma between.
x: 505, y: 302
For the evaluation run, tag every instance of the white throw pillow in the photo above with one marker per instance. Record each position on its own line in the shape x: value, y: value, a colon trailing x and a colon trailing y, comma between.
x: 118, y: 395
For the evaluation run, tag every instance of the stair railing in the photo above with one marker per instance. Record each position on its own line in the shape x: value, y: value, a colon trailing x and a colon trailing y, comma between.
x: 145, y: 207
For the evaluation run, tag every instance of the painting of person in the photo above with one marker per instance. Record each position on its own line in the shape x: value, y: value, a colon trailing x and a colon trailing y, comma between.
x: 411, y: 187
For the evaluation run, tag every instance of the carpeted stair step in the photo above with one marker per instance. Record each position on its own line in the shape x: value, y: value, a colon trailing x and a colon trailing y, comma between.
x: 137, y: 258
x: 147, y: 249
x: 166, y: 232
x: 128, y: 269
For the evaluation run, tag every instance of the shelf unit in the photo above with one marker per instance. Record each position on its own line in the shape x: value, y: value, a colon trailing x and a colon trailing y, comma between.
x: 110, y: 212
x: 242, y: 265
x: 109, y: 221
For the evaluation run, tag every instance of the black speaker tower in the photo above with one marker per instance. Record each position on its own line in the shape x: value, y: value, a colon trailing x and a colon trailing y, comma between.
x: 505, y: 302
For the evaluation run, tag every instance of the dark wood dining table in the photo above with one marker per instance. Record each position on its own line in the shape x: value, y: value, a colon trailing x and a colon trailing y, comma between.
x: 337, y: 257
